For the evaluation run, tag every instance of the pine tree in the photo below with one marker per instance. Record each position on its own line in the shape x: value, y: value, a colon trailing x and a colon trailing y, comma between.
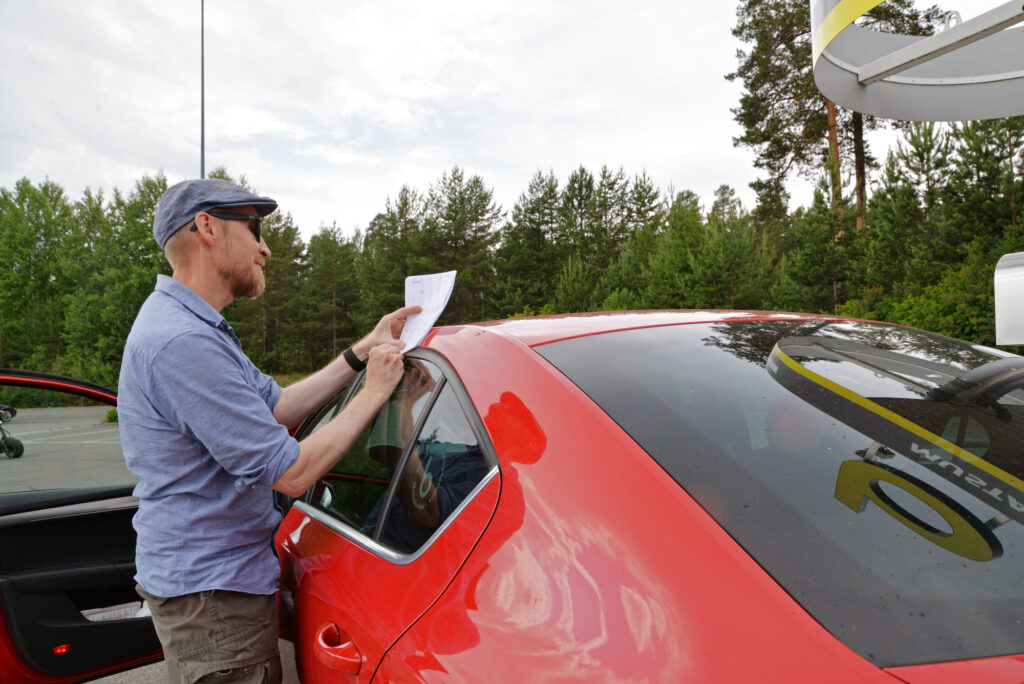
x: 122, y: 266
x: 34, y: 224
x: 460, y: 230
x: 331, y: 293
x: 390, y: 243
x: 526, y: 261
x: 784, y: 117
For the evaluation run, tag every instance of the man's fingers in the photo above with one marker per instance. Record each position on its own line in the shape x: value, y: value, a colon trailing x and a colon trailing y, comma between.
x: 407, y: 311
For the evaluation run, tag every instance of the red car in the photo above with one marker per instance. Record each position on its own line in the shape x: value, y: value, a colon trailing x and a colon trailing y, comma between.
x: 673, y: 496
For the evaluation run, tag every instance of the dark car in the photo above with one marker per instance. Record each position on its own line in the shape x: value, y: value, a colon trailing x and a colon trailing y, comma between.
x: 663, y: 496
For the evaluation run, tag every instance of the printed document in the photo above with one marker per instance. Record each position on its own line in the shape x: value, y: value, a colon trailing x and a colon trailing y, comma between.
x: 430, y: 292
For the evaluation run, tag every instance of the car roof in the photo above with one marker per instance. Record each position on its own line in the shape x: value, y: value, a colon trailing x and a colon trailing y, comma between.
x: 538, y: 330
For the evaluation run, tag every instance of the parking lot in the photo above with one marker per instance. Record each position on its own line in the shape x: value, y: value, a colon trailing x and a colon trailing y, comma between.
x: 64, y: 447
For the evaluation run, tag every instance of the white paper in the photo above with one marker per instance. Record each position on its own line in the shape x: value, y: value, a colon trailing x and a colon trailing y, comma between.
x: 430, y: 292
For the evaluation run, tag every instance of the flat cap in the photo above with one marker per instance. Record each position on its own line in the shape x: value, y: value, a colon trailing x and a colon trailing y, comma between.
x: 183, y: 201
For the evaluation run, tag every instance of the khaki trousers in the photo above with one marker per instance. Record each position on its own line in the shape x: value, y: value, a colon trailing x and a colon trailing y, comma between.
x: 217, y: 636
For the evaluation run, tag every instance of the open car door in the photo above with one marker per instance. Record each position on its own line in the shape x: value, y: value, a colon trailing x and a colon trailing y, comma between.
x: 67, y: 546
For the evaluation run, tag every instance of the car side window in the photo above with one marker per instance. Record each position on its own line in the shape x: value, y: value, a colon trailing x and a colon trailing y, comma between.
x: 439, y: 469
x: 411, y: 468
x: 360, y: 479
x: 53, y: 440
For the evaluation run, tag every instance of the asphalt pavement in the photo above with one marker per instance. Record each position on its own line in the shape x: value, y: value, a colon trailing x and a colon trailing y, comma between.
x: 66, y: 447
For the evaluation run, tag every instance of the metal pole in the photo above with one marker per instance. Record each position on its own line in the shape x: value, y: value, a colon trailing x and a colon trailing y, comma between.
x: 202, y: 89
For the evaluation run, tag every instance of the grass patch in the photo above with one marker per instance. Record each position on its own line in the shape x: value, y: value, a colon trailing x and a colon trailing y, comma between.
x: 285, y: 379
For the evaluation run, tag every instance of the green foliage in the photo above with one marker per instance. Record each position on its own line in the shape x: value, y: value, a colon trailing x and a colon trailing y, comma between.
x: 390, y: 246
x: 117, y: 271
x: 264, y: 325
x: 816, y: 270
x: 574, y: 288
x: 960, y: 304
x: 948, y: 203
x: 667, y: 268
x: 732, y: 267
x: 35, y: 251
x: 330, y: 296
x: 526, y: 261
x: 459, y: 233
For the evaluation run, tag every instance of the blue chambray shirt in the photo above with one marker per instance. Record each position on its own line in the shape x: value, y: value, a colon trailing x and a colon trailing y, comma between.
x: 198, y: 431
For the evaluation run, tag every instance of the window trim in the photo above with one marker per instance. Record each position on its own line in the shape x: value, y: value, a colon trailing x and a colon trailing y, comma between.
x: 449, y: 377
x: 385, y: 552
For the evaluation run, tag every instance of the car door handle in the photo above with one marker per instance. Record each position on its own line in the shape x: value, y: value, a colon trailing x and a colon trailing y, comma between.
x: 335, y: 649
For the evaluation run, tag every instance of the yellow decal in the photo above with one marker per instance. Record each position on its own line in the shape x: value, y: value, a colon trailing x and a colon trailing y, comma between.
x: 841, y: 16
x: 899, y: 420
x: 970, y: 538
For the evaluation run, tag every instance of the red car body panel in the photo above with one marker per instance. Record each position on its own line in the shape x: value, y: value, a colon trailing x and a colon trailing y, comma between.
x: 84, y: 389
x: 547, y: 329
x: 324, y: 572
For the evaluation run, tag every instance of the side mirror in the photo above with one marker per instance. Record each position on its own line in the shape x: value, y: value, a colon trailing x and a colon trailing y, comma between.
x: 323, y: 494
x: 1009, y: 302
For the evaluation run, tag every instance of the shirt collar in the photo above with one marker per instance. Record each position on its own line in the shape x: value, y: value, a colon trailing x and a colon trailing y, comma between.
x: 190, y: 300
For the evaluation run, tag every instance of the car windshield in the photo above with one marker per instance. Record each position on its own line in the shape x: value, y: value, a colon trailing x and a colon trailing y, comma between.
x: 874, y: 471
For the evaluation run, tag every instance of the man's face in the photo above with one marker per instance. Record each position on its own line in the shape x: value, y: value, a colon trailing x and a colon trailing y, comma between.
x: 244, y: 256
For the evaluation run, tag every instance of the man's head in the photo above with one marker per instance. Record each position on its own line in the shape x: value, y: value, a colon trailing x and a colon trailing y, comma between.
x: 210, y: 231
x: 182, y: 202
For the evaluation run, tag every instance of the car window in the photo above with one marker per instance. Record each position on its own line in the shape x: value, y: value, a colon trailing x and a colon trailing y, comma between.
x: 53, y: 440
x: 440, y: 468
x: 410, y: 469
x: 358, y: 481
x: 874, y: 471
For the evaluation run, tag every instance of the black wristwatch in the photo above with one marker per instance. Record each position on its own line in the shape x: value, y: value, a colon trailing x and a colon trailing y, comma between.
x: 353, y: 360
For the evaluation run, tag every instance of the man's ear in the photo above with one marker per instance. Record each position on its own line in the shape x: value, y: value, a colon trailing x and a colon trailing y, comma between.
x: 208, y: 229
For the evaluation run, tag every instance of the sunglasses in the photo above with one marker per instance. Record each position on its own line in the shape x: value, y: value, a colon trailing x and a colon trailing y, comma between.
x: 255, y: 222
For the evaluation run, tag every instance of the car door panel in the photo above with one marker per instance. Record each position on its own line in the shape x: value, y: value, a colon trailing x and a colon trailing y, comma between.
x: 382, y: 535
x: 369, y: 594
x: 67, y: 552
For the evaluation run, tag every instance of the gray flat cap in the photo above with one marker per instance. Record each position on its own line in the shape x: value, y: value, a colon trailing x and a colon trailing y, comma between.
x: 183, y: 201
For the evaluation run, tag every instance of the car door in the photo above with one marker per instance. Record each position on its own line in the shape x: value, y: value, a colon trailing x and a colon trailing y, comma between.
x: 67, y: 546
x: 378, y: 539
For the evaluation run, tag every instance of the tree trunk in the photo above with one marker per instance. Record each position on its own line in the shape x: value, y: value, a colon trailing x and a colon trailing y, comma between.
x: 859, y: 166
x: 833, y: 150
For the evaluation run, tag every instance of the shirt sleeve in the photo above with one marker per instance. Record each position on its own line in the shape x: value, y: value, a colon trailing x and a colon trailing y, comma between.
x: 213, y: 395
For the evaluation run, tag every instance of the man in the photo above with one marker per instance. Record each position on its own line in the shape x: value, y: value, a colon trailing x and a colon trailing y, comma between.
x: 207, y: 435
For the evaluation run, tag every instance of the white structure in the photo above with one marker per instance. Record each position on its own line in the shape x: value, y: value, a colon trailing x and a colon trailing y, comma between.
x: 970, y: 70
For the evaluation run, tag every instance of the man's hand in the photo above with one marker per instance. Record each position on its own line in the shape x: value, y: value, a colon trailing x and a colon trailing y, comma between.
x: 388, y: 330
x: 384, y: 370
x: 322, y: 449
x: 417, y: 381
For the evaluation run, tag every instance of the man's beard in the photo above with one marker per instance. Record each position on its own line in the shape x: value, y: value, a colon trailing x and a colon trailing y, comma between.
x: 244, y: 285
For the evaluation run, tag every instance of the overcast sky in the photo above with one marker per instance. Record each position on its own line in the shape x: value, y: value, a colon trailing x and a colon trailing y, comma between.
x: 330, y: 106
